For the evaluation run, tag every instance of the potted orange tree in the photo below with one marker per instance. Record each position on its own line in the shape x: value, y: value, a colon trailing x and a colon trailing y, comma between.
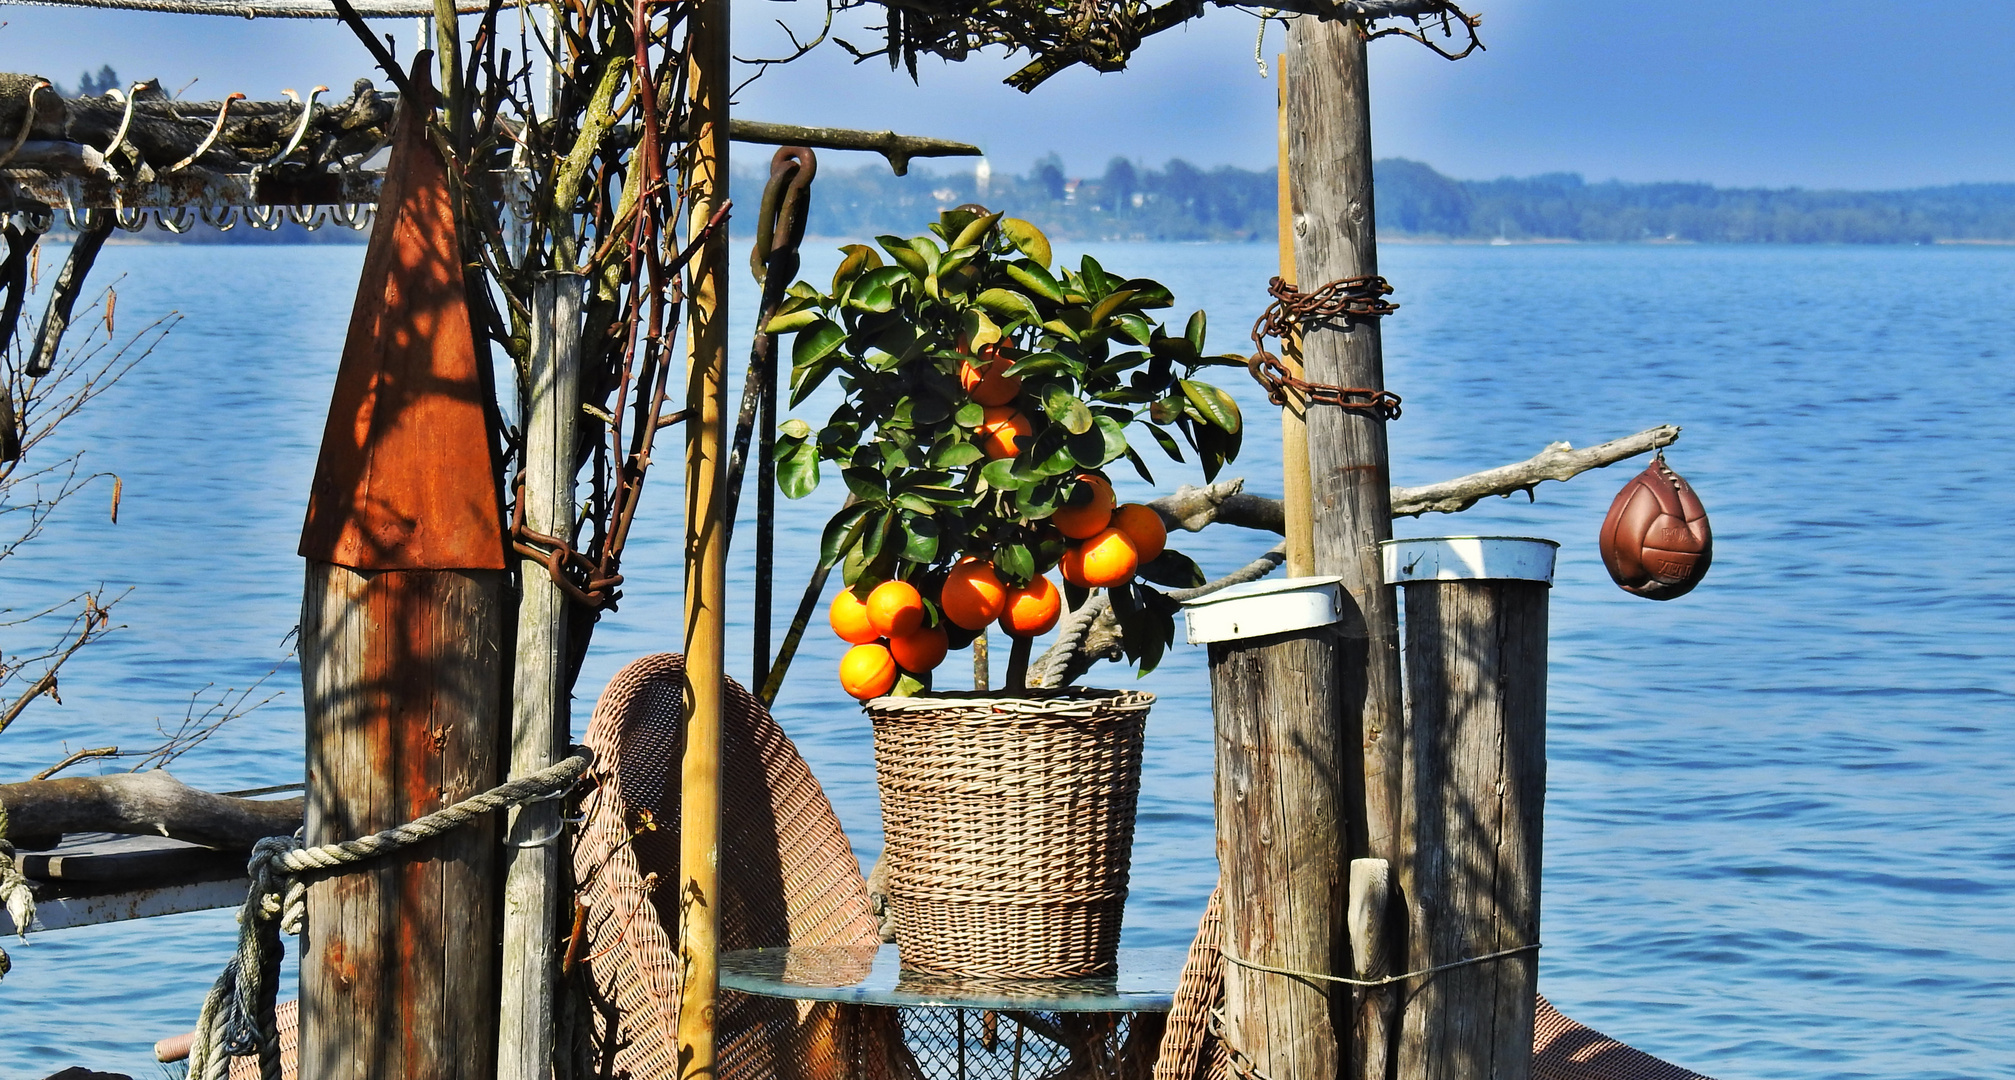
x: 986, y: 397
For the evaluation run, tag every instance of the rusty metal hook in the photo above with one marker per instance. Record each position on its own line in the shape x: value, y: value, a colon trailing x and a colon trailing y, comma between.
x: 216, y: 129
x: 300, y: 129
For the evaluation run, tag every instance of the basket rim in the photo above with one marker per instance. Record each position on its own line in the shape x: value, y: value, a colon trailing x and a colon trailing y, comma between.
x: 990, y: 702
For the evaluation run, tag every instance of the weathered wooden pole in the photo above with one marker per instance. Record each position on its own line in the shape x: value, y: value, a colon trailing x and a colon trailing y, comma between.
x: 1475, y: 796
x: 534, y: 851
x: 1274, y: 658
x: 706, y: 185
x: 402, y: 655
x: 1329, y: 172
x: 1330, y: 191
x: 1296, y: 500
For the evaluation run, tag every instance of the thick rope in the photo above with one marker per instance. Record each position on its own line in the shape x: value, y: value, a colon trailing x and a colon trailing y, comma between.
x: 237, y: 1017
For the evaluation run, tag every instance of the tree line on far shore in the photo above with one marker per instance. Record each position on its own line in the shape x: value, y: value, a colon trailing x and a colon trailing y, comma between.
x: 1181, y: 202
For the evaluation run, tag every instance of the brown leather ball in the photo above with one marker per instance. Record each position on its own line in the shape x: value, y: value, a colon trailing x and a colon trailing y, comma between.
x: 1656, y: 541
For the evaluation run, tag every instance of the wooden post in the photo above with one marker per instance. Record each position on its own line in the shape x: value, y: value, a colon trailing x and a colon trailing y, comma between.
x: 540, y: 714
x: 1297, y: 503
x: 402, y: 655
x: 1329, y: 174
x: 1475, y: 796
x: 706, y: 182
x: 1274, y: 658
x: 1371, y: 958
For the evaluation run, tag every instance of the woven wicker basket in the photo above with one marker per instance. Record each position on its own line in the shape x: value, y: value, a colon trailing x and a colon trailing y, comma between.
x: 1009, y: 828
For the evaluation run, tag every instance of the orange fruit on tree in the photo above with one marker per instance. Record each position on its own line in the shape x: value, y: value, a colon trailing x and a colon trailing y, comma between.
x: 1072, y: 566
x: 868, y: 671
x: 1089, y: 519
x: 1032, y: 609
x: 972, y: 595
x: 849, y: 619
x: 1140, y: 522
x: 1002, y: 430
x: 1108, y: 559
x: 895, y: 607
x: 986, y: 381
x: 920, y: 650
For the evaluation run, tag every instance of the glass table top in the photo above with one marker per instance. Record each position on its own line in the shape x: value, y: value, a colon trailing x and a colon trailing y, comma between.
x: 875, y: 976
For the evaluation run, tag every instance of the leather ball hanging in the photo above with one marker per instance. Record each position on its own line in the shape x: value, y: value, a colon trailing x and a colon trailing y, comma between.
x: 1656, y: 541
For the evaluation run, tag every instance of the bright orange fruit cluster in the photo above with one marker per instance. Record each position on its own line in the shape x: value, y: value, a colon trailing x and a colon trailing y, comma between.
x: 1108, y: 543
x: 889, y: 634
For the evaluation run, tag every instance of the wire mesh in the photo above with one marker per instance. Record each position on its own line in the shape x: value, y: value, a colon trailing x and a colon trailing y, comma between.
x: 988, y: 1044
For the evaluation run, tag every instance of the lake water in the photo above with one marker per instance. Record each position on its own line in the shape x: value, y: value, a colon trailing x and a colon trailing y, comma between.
x: 1780, y: 838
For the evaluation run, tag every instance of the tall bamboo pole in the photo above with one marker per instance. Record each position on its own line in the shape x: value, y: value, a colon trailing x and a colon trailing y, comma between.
x: 706, y: 184
x: 1296, y: 500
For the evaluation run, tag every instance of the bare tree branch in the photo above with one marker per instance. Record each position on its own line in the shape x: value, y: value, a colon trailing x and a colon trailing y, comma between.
x: 81, y: 755
x: 1226, y: 502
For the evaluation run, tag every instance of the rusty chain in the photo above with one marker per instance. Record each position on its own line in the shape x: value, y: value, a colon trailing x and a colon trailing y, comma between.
x: 1292, y: 310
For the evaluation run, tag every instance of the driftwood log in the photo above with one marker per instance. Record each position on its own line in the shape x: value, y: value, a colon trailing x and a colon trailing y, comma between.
x: 1227, y: 503
x: 152, y: 803
x: 164, y: 131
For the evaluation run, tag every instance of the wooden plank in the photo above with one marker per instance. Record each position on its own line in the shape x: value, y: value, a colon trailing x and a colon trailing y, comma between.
x: 540, y: 716
x: 402, y: 679
x: 1280, y: 811
x: 112, y: 857
x: 1476, y: 795
x: 61, y: 907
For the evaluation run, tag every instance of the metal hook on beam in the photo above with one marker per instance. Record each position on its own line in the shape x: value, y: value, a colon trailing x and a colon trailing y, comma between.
x: 125, y: 122
x: 216, y: 129
x: 300, y: 129
x: 27, y: 121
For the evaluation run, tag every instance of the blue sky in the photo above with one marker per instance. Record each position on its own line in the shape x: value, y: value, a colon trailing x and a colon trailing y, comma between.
x: 1814, y: 93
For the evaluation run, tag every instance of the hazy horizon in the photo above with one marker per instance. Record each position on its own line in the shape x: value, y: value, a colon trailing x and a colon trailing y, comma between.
x: 1818, y: 94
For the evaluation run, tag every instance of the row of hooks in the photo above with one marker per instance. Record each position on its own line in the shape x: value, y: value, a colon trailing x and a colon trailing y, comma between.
x: 180, y: 219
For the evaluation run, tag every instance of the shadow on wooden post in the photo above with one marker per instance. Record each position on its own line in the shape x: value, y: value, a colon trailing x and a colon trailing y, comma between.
x: 1275, y: 668
x: 1475, y: 795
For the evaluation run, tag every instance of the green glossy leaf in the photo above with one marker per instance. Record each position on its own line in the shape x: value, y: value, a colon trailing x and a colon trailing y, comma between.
x: 806, y: 379
x: 860, y: 258
x: 816, y: 342
x: 1015, y: 563
x: 1109, y: 305
x: 797, y: 460
x: 866, y: 484
x: 999, y: 473
x: 841, y: 533
x: 879, y: 532
x: 1088, y: 449
x: 1097, y: 283
x: 1065, y: 408
x: 1027, y: 239
x: 1036, y: 363
x: 976, y: 230
x: 1135, y: 326
x: 1166, y: 441
x: 1149, y: 293
x: 932, y: 255
x: 875, y: 290
x: 921, y: 542
x: 1007, y: 305
x: 970, y: 415
x: 1216, y: 405
x: 1214, y: 448
x: 900, y: 250
x: 1037, y: 279
x: 1194, y: 332
x: 792, y: 321
x: 956, y: 455
x: 1139, y: 466
x: 1173, y: 569
x: 1115, y: 438
x: 908, y: 685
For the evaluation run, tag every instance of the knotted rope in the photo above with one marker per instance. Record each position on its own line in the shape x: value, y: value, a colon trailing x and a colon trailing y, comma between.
x: 237, y: 1017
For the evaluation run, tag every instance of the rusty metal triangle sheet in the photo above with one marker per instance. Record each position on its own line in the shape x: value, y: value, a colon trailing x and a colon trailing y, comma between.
x: 405, y: 479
